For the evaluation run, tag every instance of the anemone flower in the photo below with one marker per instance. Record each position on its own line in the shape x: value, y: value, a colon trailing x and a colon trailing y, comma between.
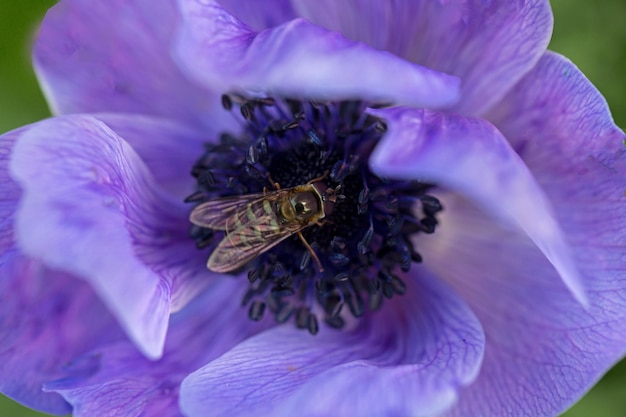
x: 407, y: 208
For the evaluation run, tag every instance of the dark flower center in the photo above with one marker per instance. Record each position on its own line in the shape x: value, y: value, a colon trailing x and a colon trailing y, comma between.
x: 318, y: 233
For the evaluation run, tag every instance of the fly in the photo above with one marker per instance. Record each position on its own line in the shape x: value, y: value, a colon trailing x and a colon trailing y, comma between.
x: 255, y: 223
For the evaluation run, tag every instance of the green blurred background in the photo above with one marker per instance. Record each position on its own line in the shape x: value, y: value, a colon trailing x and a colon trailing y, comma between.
x: 590, y: 34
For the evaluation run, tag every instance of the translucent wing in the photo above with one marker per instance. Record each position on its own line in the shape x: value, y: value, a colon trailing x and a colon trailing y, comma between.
x: 214, y: 214
x: 248, y: 240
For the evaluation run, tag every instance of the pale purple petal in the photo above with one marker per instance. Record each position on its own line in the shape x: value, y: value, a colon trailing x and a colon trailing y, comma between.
x: 489, y: 45
x: 9, y: 190
x: 299, y: 59
x: 46, y: 317
x: 92, y: 208
x: 260, y: 15
x: 168, y: 151
x: 545, y: 349
x: 128, y: 384
x: 553, y: 348
x: 555, y: 110
x: 472, y: 158
x: 409, y: 359
x: 114, y: 56
x: 386, y: 25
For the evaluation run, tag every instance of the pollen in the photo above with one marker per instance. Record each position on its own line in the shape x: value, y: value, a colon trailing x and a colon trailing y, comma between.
x: 291, y: 203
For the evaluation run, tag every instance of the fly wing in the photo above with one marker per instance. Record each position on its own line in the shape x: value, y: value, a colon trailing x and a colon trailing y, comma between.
x: 214, y: 214
x: 248, y: 241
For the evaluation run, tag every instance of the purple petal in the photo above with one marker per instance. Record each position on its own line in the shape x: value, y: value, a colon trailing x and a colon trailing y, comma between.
x: 9, y: 190
x: 417, y: 351
x: 542, y: 343
x: 46, y: 318
x: 471, y: 157
x: 260, y: 15
x: 168, y: 151
x: 299, y: 59
x: 114, y: 56
x: 489, y: 45
x: 558, y: 111
x: 92, y: 208
x: 545, y: 349
x: 126, y: 383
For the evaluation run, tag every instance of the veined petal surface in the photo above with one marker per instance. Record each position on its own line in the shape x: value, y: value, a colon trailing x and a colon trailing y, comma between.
x: 260, y: 15
x: 489, y: 45
x: 472, y: 158
x: 541, y: 341
x: 417, y: 351
x: 300, y: 60
x: 91, y: 207
x: 47, y: 318
x: 114, y: 56
x: 128, y: 384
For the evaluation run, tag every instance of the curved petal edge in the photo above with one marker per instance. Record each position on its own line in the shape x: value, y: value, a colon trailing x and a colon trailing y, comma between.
x: 300, y: 60
x: 473, y: 158
x: 418, y: 350
x: 82, y: 191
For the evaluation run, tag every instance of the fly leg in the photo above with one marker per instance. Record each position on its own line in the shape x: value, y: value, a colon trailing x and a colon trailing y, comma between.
x: 274, y: 183
x: 311, y: 251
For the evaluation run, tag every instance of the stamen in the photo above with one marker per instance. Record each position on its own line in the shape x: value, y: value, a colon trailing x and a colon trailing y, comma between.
x: 312, y: 252
x: 257, y: 308
x: 302, y: 159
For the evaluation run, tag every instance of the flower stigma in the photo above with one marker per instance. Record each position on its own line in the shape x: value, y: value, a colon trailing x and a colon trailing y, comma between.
x: 292, y: 201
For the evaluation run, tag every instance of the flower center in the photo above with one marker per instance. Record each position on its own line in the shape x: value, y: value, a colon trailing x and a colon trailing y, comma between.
x: 292, y: 202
